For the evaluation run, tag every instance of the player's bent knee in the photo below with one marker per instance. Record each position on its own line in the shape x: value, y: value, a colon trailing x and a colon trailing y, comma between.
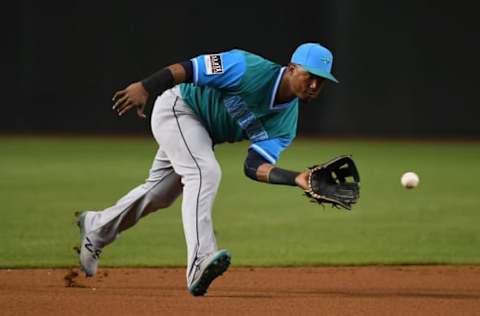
x: 159, y: 204
x: 164, y: 192
x: 211, y: 174
x: 158, y: 201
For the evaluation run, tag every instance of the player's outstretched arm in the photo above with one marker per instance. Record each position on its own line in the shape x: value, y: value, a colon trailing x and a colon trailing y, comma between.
x: 137, y: 93
x: 259, y: 169
x: 270, y: 174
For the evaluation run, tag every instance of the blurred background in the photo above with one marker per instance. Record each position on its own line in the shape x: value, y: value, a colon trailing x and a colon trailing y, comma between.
x: 407, y: 68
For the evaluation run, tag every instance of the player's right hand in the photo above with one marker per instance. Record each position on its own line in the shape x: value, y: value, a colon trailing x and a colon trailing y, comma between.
x: 132, y: 96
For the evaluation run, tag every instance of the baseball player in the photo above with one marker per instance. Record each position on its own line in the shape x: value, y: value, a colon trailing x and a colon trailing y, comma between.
x: 208, y: 100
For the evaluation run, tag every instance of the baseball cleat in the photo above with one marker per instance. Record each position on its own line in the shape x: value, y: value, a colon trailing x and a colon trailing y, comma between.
x: 89, y: 254
x: 209, y: 269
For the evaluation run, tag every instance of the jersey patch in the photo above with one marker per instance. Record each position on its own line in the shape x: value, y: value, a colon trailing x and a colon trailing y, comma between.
x: 214, y: 64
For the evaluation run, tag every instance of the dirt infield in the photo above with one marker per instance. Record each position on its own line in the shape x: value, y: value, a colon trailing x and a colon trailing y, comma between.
x: 260, y: 291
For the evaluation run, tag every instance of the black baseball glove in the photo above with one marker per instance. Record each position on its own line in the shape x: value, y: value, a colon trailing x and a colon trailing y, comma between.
x: 335, y: 182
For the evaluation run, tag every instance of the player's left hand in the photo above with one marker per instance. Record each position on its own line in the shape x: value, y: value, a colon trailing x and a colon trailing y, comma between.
x: 132, y: 96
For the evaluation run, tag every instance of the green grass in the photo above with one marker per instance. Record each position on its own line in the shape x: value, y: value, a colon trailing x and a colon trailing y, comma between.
x: 43, y: 180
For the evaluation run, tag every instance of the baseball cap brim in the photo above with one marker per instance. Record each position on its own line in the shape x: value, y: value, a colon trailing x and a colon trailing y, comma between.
x: 321, y: 73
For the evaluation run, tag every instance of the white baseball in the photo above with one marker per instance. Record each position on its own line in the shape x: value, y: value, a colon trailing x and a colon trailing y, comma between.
x: 409, y: 180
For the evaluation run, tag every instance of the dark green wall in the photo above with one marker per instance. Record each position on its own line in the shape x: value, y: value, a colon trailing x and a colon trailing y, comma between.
x: 406, y: 67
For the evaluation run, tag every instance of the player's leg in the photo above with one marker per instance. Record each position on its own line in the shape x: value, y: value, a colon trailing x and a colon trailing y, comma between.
x: 99, y: 229
x: 189, y: 148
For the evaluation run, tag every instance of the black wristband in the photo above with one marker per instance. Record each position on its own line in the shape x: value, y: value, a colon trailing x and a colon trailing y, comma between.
x: 159, y: 82
x: 282, y: 176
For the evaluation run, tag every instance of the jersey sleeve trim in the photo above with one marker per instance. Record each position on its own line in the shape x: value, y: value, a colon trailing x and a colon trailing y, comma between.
x: 270, y: 149
x: 263, y: 153
x: 195, y: 70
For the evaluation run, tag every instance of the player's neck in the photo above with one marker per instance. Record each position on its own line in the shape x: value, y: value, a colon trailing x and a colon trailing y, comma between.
x: 284, y: 93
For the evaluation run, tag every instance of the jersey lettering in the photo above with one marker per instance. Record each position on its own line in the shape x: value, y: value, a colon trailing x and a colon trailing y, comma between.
x: 238, y: 110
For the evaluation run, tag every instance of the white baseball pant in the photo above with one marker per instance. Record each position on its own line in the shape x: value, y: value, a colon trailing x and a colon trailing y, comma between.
x: 185, y: 162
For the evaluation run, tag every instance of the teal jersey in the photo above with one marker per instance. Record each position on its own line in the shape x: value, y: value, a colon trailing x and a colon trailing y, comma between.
x: 233, y: 94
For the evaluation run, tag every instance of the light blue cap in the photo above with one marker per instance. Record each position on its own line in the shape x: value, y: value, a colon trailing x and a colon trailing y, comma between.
x: 316, y: 59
